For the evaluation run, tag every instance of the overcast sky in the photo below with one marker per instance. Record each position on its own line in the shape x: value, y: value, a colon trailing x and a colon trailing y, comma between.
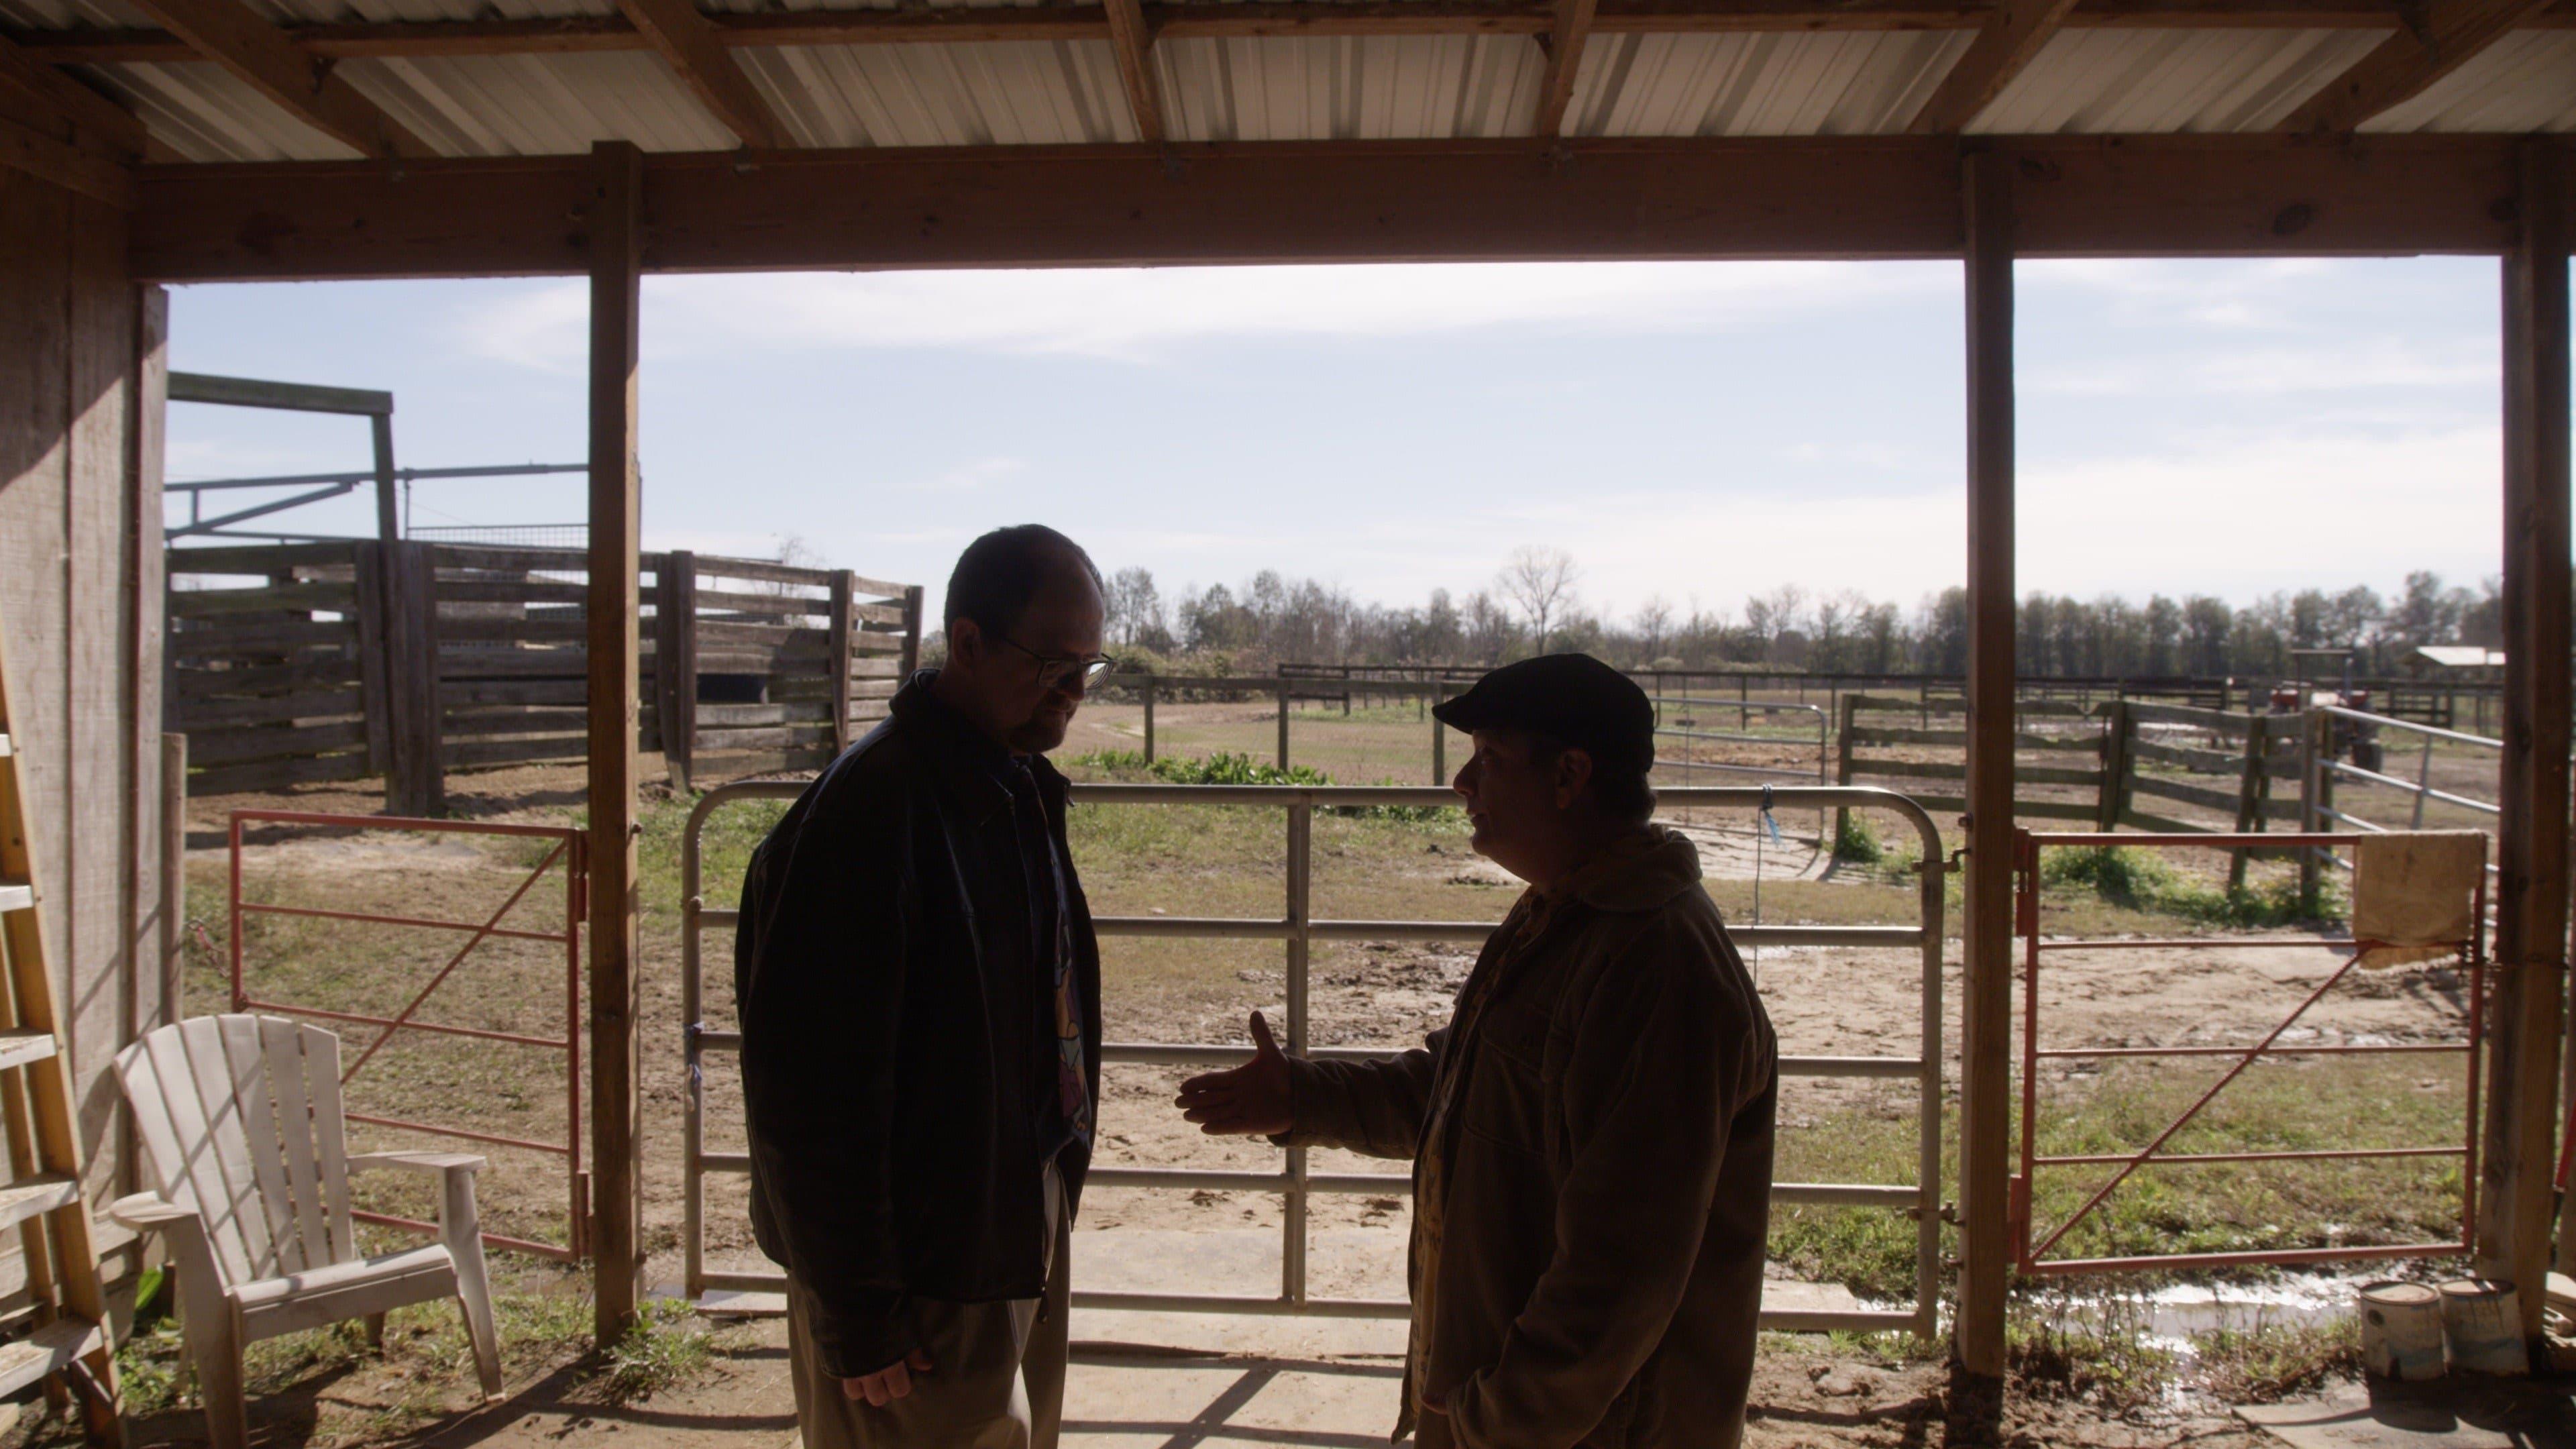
x: 1701, y: 431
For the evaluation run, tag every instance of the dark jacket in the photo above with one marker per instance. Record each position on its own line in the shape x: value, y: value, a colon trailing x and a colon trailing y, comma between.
x: 1592, y: 1143
x: 895, y: 1039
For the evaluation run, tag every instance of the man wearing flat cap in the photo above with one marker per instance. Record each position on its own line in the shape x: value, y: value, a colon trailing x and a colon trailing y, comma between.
x: 1591, y: 1132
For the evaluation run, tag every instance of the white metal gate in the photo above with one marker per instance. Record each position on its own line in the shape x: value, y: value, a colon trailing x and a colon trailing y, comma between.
x: 1300, y: 930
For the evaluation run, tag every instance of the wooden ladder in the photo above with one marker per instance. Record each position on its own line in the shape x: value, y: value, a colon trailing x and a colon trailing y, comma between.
x: 41, y: 1196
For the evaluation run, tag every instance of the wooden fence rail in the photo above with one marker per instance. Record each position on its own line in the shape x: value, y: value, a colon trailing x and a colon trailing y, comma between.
x: 305, y: 663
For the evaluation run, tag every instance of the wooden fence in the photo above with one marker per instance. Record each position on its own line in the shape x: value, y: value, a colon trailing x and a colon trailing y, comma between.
x: 300, y: 663
x: 2159, y: 767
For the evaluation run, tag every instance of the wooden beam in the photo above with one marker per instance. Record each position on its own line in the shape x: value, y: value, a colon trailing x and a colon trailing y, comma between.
x: 688, y: 41
x: 55, y: 128
x: 2400, y: 67
x: 615, y: 247
x: 1133, y: 43
x: 2530, y: 973
x: 1567, y: 31
x: 1826, y: 198
x: 235, y: 37
x: 2009, y: 40
x: 1051, y: 20
x: 1985, y: 1013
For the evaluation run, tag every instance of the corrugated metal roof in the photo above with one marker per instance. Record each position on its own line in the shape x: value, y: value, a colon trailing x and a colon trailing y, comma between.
x: 2525, y: 82
x: 1832, y: 84
x: 2149, y: 81
x: 2111, y: 80
x: 1345, y: 88
x: 1003, y: 93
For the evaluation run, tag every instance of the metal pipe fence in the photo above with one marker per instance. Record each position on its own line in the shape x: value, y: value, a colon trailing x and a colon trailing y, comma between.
x: 2032, y: 1242
x: 2420, y: 789
x: 1299, y: 929
x: 570, y: 850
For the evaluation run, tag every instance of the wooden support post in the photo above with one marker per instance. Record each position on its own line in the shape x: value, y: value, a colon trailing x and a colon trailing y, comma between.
x: 675, y: 662
x: 1985, y: 1256
x: 2115, y: 766
x: 375, y: 657
x: 2315, y: 748
x: 415, y: 783
x: 174, y: 877
x: 2526, y: 1005
x: 1283, y: 724
x: 1439, y: 738
x: 2252, y: 790
x: 1844, y: 714
x: 616, y: 271
x: 844, y: 585
x: 1149, y: 719
x: 388, y: 515
x: 912, y: 622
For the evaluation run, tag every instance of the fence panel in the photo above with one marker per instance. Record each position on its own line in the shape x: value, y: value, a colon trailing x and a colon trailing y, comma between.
x: 1298, y: 929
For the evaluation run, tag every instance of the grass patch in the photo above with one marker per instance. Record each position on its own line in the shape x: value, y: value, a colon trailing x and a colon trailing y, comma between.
x: 2143, y: 881
x: 2274, y: 1361
x: 2219, y: 1207
x: 667, y: 1346
x: 1856, y: 840
x: 2106, y: 1360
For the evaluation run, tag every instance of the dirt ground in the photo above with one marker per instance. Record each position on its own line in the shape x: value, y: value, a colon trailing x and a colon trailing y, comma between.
x: 1837, y: 1002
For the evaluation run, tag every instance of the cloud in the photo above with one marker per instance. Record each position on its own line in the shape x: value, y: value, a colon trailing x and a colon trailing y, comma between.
x: 2226, y: 296
x: 1136, y: 313
x: 2382, y: 362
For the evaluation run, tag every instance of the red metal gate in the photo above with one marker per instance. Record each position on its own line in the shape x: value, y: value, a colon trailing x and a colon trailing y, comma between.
x: 2033, y: 1245
x: 569, y: 851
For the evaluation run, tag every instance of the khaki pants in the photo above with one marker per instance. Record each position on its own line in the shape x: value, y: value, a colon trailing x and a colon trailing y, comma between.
x: 997, y: 1380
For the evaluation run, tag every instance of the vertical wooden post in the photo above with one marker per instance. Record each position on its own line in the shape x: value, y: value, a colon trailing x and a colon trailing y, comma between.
x: 2315, y: 749
x: 174, y: 877
x: 1283, y: 724
x: 1845, y: 712
x: 415, y: 784
x: 374, y: 657
x: 1439, y: 738
x: 616, y: 260
x: 912, y: 622
x: 844, y: 586
x: 2115, y: 766
x: 2526, y: 1007
x: 675, y: 662
x: 388, y: 521
x: 2252, y: 790
x: 1985, y: 1256
x: 1150, y: 682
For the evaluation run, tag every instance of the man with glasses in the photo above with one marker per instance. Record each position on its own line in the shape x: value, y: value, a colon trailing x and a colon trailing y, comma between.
x: 919, y: 993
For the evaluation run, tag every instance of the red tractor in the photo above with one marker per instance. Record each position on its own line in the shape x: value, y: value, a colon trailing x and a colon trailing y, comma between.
x: 2357, y: 740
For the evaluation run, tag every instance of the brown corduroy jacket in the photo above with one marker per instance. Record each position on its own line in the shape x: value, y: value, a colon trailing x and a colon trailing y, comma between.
x: 1591, y: 1137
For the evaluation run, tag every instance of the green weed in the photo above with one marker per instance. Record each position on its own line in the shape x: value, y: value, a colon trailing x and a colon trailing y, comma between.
x: 667, y: 1346
x: 1856, y: 840
x: 2142, y: 881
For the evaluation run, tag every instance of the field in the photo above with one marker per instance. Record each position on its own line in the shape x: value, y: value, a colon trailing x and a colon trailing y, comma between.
x: 1197, y: 860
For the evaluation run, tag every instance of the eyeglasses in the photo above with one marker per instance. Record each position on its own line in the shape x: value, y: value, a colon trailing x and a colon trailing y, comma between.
x: 1054, y: 671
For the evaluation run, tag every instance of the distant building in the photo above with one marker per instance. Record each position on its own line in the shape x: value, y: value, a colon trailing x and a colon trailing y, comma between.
x: 2460, y: 663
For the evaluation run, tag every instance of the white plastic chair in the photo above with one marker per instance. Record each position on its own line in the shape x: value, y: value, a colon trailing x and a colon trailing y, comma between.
x: 240, y: 1118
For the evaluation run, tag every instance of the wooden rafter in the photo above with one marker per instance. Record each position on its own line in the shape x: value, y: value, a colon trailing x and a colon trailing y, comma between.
x: 687, y: 39
x: 1133, y: 41
x: 1052, y: 20
x: 235, y: 37
x: 1567, y: 30
x: 2008, y: 41
x: 2400, y: 67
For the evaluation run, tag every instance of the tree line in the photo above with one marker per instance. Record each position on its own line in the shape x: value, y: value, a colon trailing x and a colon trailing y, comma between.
x: 1534, y: 605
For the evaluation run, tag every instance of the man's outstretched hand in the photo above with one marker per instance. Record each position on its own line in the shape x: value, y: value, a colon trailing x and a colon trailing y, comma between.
x: 1246, y: 1101
x: 887, y: 1384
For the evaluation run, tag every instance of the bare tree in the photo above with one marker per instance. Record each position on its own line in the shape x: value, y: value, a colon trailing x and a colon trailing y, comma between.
x: 1541, y: 582
x: 1654, y: 626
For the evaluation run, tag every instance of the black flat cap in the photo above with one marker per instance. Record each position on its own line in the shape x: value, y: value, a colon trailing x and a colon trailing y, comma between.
x: 1573, y: 697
